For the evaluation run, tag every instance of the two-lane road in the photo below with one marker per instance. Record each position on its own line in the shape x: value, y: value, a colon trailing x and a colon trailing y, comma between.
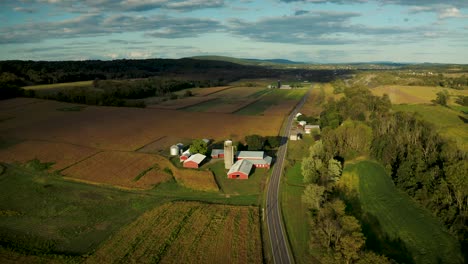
x: 278, y: 237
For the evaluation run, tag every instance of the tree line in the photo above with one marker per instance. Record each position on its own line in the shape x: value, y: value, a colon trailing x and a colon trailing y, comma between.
x: 430, y: 169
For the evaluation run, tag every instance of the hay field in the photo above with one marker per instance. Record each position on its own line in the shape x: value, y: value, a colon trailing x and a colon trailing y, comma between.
x: 122, y: 169
x: 125, y: 129
x: 187, y: 232
x: 399, y: 94
x: 200, y: 180
x: 220, y: 105
x: 63, y: 155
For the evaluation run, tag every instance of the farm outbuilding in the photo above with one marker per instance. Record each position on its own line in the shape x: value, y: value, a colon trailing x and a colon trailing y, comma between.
x: 174, y: 150
x: 194, y: 161
x: 185, y: 155
x: 297, y: 115
x: 240, y: 170
x: 217, y: 153
x: 294, y: 135
x: 308, y: 128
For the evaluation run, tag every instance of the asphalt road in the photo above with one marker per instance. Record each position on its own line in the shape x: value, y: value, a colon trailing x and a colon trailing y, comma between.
x: 278, y: 237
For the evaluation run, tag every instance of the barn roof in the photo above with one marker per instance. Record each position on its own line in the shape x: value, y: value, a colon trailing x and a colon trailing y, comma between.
x: 312, y: 127
x: 243, y: 166
x: 216, y: 152
x: 187, y: 153
x: 250, y: 154
x: 266, y: 160
x: 197, y: 158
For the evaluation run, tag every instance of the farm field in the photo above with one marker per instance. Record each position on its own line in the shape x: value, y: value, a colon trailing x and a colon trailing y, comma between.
x: 42, y: 212
x: 203, y: 91
x: 286, y: 99
x: 124, y: 129
x: 59, y: 85
x: 121, y: 169
x: 60, y: 154
x: 187, y: 232
x: 241, y: 92
x: 391, y: 215
x: 399, y: 94
x: 449, y: 123
x: 182, y: 103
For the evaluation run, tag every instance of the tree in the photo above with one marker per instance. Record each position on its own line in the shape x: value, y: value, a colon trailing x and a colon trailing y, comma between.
x: 199, y: 146
x: 334, y: 169
x: 313, y: 196
x: 458, y: 181
x: 442, y: 98
x: 273, y: 141
x: 372, y: 258
x: 311, y: 169
x: 254, y: 142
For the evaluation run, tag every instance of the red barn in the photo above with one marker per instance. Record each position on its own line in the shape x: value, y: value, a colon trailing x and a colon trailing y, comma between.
x: 194, y: 161
x: 257, y: 158
x: 240, y: 170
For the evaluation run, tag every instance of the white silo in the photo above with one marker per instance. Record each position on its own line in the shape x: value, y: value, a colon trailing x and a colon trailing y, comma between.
x: 174, y: 150
x: 228, y: 154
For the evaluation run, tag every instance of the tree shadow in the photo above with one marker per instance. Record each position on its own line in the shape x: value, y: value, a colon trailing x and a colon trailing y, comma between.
x: 465, y: 120
x: 378, y: 241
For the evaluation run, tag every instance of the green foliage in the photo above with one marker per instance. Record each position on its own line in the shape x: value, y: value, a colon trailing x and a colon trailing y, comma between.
x: 273, y: 141
x: 312, y: 169
x: 334, y: 169
x: 442, y: 98
x: 462, y: 100
x: 199, y: 146
x: 254, y: 142
x: 313, y: 196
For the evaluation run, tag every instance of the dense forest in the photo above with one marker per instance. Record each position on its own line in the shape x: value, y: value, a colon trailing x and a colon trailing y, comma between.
x: 427, y: 167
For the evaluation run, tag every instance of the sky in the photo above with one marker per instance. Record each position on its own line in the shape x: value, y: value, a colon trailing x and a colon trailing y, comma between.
x: 318, y: 31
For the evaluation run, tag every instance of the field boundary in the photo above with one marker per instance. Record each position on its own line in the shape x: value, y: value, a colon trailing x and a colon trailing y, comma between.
x: 229, y: 87
x: 154, y: 141
x: 245, y: 106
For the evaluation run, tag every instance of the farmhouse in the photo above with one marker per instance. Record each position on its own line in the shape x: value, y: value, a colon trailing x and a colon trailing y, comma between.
x: 194, y: 161
x: 217, y: 153
x: 240, y: 170
x: 285, y: 86
x: 308, y: 128
x: 257, y: 158
x: 302, y: 123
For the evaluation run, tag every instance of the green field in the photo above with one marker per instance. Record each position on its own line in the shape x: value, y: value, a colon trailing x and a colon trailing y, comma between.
x: 253, y: 186
x: 295, y: 214
x: 449, y: 123
x: 204, y: 106
x: 394, y: 224
x: 41, y: 212
x: 59, y: 85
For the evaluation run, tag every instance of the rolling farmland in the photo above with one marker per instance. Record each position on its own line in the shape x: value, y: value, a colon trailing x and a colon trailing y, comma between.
x: 122, y: 169
x: 187, y: 232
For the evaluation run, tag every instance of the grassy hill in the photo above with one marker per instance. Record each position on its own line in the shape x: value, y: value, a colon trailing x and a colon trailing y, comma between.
x: 394, y: 224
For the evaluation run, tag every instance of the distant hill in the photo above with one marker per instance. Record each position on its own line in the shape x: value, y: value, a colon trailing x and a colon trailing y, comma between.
x: 248, y: 61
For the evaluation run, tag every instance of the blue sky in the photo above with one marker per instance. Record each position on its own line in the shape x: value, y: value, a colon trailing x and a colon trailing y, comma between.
x: 322, y: 31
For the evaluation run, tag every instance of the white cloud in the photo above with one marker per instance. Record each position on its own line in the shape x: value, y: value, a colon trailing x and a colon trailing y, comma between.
x: 449, y: 13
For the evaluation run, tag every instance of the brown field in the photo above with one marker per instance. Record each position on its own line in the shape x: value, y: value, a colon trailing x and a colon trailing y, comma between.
x: 122, y: 169
x: 280, y: 108
x: 239, y: 92
x: 63, y: 155
x: 195, y: 179
x: 414, y: 94
x: 125, y: 129
x: 187, y: 232
x: 181, y: 103
x: 162, y: 144
x: 204, y: 91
